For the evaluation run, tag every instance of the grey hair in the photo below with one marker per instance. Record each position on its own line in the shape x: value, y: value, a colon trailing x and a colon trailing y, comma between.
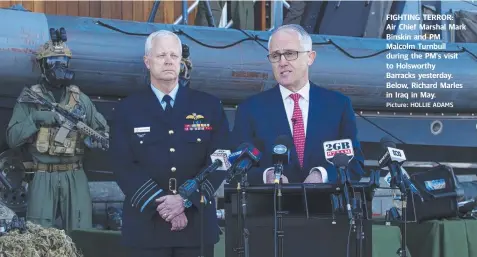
x: 303, y: 36
x: 159, y: 34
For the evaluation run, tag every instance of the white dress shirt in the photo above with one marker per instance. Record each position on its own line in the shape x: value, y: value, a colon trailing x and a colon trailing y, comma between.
x: 289, y: 104
x: 304, y: 104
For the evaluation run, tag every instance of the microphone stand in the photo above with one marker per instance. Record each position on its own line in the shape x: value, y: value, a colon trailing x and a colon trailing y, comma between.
x: 242, y: 241
x: 201, y: 215
x: 398, y: 181
x: 244, y: 215
x: 186, y: 189
x: 345, y: 182
x: 279, y: 233
x: 359, y: 227
x: 402, y: 252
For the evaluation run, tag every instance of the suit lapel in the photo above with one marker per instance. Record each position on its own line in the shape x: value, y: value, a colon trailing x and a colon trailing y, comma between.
x: 315, y: 126
x: 280, y: 120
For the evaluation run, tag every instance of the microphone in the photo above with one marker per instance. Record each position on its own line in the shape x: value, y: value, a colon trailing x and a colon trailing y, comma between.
x: 239, y: 153
x: 341, y: 161
x: 343, y: 146
x: 251, y: 156
x: 241, y: 150
x: 281, y: 155
x: 392, y: 159
x: 247, y: 156
x: 220, y: 161
x: 397, y: 175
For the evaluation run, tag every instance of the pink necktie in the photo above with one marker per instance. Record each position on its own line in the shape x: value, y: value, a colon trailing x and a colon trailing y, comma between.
x: 298, y: 128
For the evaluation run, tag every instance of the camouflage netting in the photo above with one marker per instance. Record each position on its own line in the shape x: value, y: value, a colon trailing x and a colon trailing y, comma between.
x: 37, y: 242
x: 6, y: 213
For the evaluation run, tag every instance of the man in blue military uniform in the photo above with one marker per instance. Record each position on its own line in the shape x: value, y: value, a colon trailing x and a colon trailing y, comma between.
x: 162, y: 137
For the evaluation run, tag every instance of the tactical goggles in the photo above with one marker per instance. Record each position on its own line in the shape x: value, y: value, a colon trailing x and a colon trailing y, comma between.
x: 53, y: 61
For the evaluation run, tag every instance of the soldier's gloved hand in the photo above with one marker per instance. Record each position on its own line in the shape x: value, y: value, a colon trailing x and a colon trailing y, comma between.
x: 45, y: 117
x: 91, y: 143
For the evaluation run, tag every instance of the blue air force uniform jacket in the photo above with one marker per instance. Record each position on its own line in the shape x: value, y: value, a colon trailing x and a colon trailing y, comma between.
x: 153, y: 155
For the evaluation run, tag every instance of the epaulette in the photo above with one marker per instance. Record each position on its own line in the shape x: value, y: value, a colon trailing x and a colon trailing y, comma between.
x: 37, y: 89
x: 74, y: 89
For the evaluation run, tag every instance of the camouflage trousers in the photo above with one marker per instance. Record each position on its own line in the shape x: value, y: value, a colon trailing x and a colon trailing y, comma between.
x: 62, y: 196
x: 243, y: 14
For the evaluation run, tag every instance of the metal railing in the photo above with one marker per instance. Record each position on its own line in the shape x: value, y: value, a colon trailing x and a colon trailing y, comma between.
x: 276, y: 13
x: 224, y: 22
x: 187, y: 10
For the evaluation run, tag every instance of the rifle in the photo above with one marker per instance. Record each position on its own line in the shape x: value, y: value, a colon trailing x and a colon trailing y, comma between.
x: 72, y: 120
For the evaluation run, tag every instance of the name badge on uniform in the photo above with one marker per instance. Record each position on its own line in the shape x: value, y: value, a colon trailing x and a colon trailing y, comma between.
x: 142, y: 129
x: 196, y: 123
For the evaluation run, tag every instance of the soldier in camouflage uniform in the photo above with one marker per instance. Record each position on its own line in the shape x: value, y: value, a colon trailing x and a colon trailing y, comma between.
x: 59, y: 188
x: 242, y: 13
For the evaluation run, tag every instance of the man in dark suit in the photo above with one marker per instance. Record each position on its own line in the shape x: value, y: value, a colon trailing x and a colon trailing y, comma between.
x: 300, y: 109
x: 161, y: 137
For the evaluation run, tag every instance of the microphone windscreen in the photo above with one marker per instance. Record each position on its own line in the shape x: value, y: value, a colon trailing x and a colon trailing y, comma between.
x: 340, y: 160
x: 284, y: 140
x: 387, y: 142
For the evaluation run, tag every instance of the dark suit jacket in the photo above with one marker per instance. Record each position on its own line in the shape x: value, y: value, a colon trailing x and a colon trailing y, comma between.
x: 144, y: 162
x: 330, y: 117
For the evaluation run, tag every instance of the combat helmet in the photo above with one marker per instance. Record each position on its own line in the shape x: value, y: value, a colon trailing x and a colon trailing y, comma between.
x: 56, y: 46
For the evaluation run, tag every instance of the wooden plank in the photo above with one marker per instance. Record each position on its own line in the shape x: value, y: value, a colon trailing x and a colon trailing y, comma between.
x: 106, y: 10
x: 146, y: 9
x: 12, y: 3
x: 28, y: 5
x: 83, y: 8
x: 138, y: 11
x: 127, y: 10
x: 39, y: 6
x: 95, y: 9
x: 134, y: 10
x: 178, y: 12
x: 168, y: 10
x: 116, y: 12
x: 15, y: 2
x: 263, y: 19
x: 72, y: 8
x: 61, y: 8
x: 159, y: 17
x: 193, y: 13
x: 5, y: 4
x: 50, y: 7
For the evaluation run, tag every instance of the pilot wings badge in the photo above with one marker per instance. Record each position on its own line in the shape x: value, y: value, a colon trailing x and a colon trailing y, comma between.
x: 194, y: 116
x: 197, y: 123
